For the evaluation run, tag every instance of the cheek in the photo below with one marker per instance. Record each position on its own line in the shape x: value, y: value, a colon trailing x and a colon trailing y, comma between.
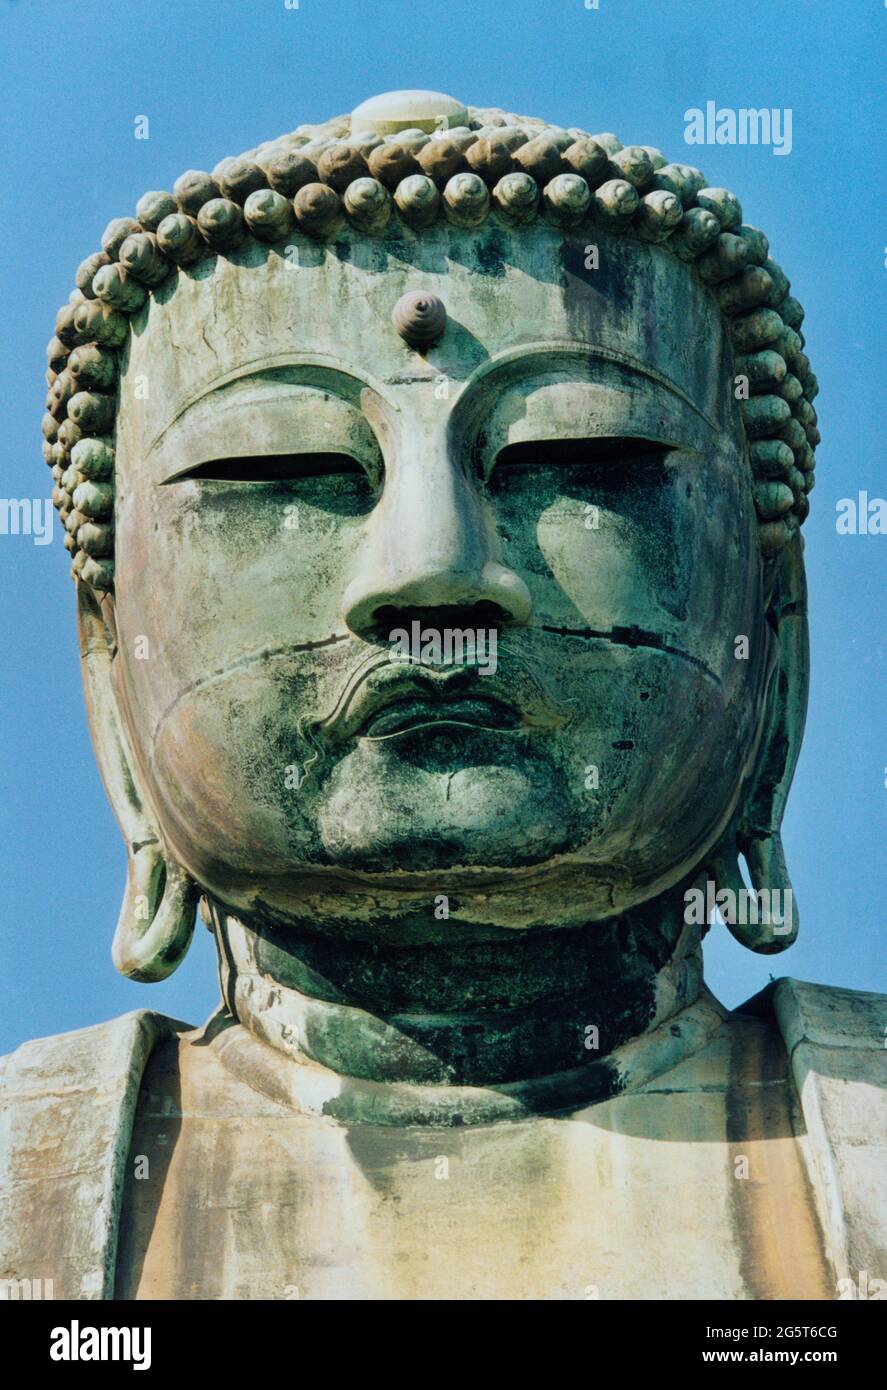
x: 652, y: 786
x: 215, y: 575
x: 598, y: 543
x: 219, y: 602
x: 614, y: 563
x: 222, y: 772
x: 676, y: 556
x: 226, y: 757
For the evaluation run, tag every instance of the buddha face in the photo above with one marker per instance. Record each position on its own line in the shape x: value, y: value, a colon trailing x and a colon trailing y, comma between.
x: 396, y: 625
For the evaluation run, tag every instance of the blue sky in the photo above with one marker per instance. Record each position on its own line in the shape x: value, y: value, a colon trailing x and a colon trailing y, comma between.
x: 218, y: 76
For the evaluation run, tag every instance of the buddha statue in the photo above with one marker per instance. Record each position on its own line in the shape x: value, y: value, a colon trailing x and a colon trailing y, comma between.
x: 434, y: 481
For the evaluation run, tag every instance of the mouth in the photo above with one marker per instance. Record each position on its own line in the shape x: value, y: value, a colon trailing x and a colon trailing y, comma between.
x: 406, y: 716
x: 383, y: 700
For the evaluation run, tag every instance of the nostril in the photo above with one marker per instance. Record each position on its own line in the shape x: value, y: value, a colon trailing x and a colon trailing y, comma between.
x: 388, y: 618
x: 490, y: 597
x: 385, y: 619
x: 492, y: 613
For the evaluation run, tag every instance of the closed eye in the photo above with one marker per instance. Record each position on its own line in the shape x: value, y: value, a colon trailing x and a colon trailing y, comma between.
x: 273, y: 468
x: 569, y: 453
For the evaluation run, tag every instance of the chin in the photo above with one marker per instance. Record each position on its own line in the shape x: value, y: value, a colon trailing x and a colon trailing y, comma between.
x: 438, y: 803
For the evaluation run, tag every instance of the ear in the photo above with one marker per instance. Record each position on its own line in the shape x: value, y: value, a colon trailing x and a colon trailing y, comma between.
x: 156, y: 920
x: 756, y: 829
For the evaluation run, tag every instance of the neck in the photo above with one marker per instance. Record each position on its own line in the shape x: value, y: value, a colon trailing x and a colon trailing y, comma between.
x: 511, y: 1008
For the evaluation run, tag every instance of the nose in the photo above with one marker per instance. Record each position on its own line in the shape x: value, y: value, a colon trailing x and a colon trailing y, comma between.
x: 431, y: 543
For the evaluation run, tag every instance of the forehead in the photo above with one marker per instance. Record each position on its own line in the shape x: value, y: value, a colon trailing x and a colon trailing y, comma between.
x: 519, y: 302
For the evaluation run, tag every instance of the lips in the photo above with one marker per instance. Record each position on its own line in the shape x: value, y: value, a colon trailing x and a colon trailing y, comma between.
x: 405, y: 716
x: 385, y: 699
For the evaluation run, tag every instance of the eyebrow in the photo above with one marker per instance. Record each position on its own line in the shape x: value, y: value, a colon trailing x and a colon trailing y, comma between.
x: 533, y: 352
x: 256, y: 370
x: 528, y: 352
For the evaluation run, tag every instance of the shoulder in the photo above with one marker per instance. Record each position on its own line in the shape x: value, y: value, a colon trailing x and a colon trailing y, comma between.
x: 66, y: 1112
x: 43, y: 1063
x: 826, y: 1017
x: 835, y: 1040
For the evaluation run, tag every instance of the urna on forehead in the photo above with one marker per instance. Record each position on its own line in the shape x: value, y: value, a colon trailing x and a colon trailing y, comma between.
x: 496, y: 214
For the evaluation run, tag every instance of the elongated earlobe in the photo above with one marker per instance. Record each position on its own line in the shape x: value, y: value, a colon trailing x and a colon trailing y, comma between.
x: 756, y: 831
x: 157, y: 917
x: 764, y: 919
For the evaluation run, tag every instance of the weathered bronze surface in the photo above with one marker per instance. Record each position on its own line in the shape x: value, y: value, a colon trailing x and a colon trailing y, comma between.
x: 434, y: 483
